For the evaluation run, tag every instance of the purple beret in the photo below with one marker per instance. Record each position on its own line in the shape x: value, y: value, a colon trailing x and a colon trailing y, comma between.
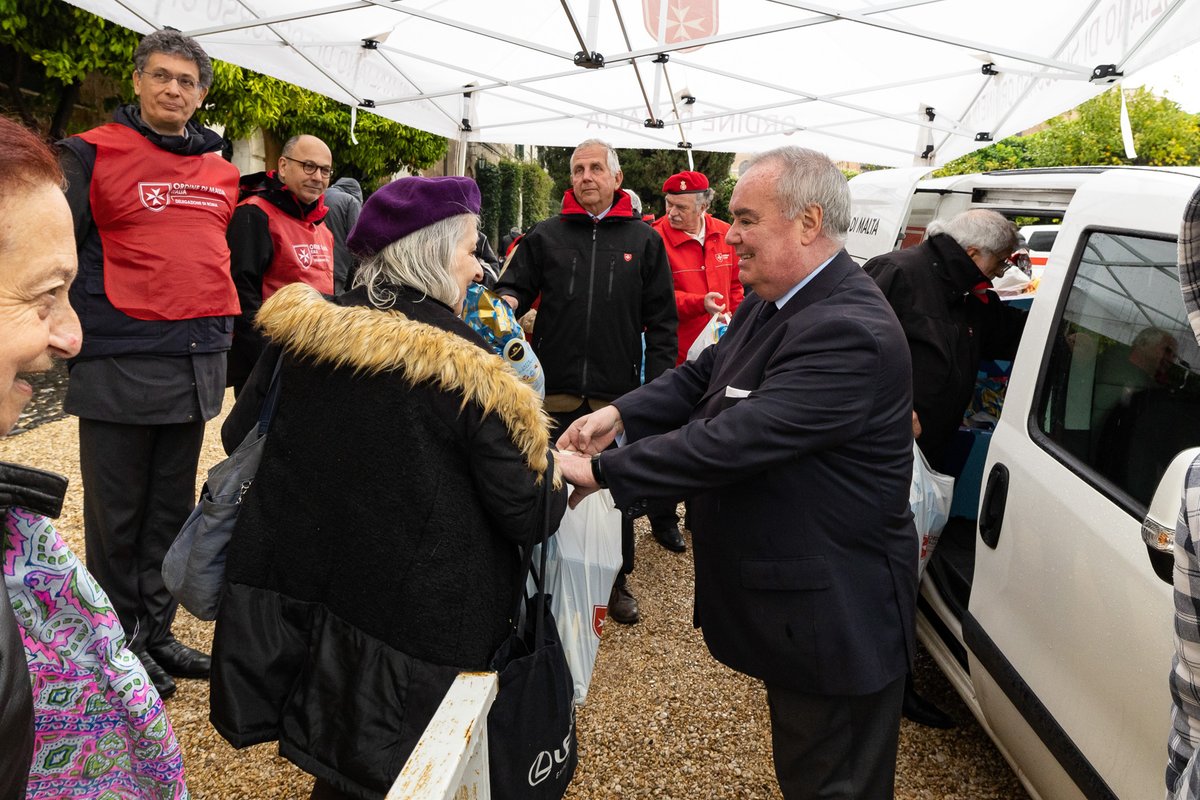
x: 407, y: 205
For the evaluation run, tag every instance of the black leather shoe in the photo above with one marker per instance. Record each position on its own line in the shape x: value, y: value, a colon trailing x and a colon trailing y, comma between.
x: 923, y: 712
x: 158, y: 676
x: 670, y: 538
x: 622, y: 607
x: 180, y: 660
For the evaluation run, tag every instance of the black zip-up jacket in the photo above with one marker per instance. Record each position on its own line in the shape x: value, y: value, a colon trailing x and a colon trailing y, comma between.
x: 602, y: 283
x: 949, y: 329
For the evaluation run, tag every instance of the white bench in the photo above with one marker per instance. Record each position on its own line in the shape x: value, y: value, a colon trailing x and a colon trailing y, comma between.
x: 450, y: 762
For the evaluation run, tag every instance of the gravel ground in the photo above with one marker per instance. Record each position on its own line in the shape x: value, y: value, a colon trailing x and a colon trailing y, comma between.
x: 662, y: 718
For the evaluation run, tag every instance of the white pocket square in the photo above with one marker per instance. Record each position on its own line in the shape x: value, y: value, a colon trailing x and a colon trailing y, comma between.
x: 733, y: 391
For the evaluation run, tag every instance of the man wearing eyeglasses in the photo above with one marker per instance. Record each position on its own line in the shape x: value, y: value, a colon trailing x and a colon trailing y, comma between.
x: 151, y: 198
x: 278, y: 236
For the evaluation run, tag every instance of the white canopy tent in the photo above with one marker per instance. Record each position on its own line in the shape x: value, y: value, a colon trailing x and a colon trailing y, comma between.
x: 893, y: 83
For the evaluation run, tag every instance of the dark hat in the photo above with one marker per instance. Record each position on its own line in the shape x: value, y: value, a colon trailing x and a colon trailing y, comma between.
x: 686, y: 183
x: 407, y: 205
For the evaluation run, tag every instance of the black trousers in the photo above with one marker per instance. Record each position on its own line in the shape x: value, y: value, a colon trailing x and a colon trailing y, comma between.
x: 139, y: 485
x: 836, y: 748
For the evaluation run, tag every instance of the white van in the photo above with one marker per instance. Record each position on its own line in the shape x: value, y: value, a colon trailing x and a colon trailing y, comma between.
x: 1048, y: 600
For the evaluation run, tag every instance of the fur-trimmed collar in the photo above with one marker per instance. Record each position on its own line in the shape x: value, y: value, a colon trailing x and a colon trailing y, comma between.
x: 371, y: 341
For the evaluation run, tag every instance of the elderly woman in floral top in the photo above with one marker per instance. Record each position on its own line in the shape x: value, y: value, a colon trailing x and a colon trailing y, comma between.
x: 78, y: 716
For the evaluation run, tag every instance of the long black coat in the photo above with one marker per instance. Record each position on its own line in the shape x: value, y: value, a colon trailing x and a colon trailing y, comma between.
x: 795, y: 447
x: 376, y: 553
x: 948, y: 328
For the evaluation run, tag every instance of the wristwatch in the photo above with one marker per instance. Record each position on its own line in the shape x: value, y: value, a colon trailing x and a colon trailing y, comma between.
x: 598, y: 472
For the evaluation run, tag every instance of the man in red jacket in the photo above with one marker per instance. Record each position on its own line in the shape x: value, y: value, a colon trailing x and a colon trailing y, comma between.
x: 704, y: 268
x: 278, y: 236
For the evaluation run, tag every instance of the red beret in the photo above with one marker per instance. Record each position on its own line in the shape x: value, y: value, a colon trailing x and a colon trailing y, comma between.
x: 686, y: 183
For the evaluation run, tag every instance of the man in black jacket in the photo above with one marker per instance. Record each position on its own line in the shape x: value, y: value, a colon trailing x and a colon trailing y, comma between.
x: 604, y: 280
x: 940, y: 291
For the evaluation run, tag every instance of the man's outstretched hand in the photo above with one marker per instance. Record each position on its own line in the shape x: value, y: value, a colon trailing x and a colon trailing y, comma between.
x: 592, y: 433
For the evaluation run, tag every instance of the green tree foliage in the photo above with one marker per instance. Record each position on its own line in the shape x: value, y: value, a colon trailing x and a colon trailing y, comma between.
x: 1010, y: 153
x: 383, y: 146
x: 509, y: 215
x: 535, y: 194
x: 720, y: 203
x: 487, y: 175
x: 53, y: 46
x: 1163, y: 135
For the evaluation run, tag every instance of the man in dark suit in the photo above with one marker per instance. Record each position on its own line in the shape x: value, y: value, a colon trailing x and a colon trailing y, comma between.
x: 792, y: 437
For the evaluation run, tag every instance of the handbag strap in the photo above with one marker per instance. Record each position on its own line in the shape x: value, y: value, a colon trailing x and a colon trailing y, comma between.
x: 541, y: 537
x: 271, y: 400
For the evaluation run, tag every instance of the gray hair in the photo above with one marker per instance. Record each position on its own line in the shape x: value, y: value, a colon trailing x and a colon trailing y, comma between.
x: 289, y: 146
x: 808, y: 178
x: 980, y: 228
x: 421, y: 260
x: 614, y: 164
x: 703, y: 199
x: 634, y: 200
x: 171, y: 42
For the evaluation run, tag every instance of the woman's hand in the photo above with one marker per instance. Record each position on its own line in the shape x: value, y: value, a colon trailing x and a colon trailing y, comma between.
x: 577, y: 469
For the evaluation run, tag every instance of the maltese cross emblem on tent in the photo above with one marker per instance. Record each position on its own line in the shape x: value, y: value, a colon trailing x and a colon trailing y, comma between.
x: 680, y: 20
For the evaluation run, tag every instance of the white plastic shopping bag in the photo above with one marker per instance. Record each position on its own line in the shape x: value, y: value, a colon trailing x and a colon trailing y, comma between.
x: 929, y: 496
x: 582, y: 565
x: 711, y: 333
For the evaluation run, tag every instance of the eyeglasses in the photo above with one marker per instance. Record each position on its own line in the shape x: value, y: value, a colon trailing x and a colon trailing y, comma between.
x: 160, y: 77
x: 312, y: 169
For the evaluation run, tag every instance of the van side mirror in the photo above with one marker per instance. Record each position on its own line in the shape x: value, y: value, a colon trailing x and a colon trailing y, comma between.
x: 1158, y: 528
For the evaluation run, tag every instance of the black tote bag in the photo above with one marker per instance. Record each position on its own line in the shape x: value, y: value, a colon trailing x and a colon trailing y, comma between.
x: 531, y: 726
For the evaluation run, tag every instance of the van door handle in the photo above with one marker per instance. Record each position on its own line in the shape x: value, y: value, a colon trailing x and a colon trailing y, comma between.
x: 995, y: 498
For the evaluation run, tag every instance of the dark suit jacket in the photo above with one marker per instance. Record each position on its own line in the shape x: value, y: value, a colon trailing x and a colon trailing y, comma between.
x: 804, y: 545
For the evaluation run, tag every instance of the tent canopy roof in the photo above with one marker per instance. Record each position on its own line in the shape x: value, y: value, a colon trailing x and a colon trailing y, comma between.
x: 871, y: 82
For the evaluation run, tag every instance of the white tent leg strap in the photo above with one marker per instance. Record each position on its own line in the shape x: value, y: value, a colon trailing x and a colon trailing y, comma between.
x: 1126, y: 128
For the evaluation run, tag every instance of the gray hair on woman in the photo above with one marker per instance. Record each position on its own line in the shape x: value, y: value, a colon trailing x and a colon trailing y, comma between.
x: 981, y: 228
x: 807, y: 178
x: 421, y: 260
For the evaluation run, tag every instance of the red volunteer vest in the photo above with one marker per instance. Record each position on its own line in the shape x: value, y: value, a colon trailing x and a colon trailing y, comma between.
x: 303, y: 251
x: 162, y: 220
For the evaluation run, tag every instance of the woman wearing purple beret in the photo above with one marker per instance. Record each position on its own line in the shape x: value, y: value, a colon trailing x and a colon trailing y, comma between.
x: 376, y: 552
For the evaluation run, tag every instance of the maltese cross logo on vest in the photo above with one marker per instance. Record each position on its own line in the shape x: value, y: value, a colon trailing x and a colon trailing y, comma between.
x: 155, y: 196
x: 304, y: 254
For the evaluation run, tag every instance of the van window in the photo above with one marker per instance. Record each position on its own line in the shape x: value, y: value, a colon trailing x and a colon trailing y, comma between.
x: 1120, y: 392
x: 1042, y: 241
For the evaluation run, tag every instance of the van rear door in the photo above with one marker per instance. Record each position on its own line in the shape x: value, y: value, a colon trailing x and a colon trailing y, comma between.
x: 879, y: 203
